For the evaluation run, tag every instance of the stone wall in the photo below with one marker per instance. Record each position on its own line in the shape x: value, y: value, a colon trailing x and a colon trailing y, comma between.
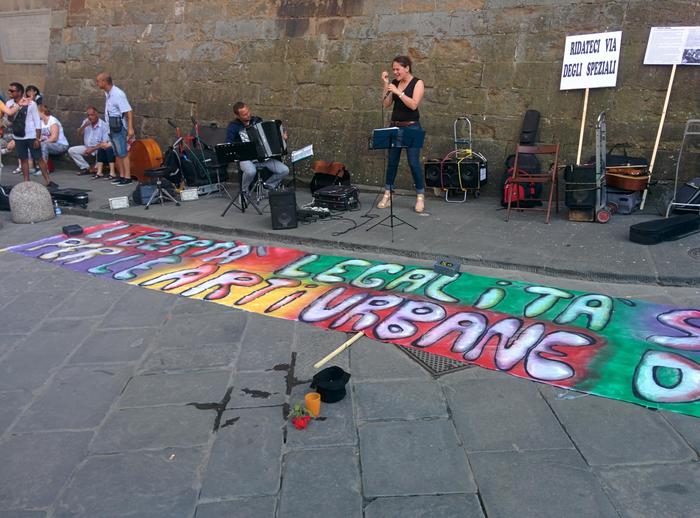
x: 316, y: 65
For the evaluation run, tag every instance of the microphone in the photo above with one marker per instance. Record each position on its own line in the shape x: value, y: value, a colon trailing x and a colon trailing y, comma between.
x: 387, y: 94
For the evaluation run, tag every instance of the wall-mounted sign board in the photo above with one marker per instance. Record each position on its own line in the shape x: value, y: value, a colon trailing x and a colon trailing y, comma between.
x: 591, y: 61
x: 673, y: 46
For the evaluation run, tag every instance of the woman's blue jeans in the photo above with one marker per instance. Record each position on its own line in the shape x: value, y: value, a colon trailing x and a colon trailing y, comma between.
x: 392, y: 167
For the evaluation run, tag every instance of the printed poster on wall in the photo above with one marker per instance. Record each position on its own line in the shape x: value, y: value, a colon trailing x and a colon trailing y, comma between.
x: 673, y: 46
x: 591, y: 61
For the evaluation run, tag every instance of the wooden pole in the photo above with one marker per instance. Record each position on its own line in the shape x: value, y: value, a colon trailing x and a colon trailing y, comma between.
x: 583, y: 127
x: 339, y: 350
x: 658, y: 133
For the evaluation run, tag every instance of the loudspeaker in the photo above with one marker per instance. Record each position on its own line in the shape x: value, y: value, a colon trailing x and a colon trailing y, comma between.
x: 283, y: 209
x: 580, y: 187
x: 455, y: 174
x: 431, y: 171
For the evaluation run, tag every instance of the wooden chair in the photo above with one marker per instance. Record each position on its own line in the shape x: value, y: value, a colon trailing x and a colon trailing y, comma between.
x: 528, y: 179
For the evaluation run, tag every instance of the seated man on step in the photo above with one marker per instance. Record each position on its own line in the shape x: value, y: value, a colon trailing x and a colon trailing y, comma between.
x: 94, y: 131
x: 237, y: 132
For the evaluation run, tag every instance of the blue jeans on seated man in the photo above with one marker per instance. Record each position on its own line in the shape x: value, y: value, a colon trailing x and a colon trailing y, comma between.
x: 277, y: 168
x: 413, y: 154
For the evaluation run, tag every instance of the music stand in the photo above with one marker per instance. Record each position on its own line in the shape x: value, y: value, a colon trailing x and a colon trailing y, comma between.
x: 388, y: 138
x: 235, y: 152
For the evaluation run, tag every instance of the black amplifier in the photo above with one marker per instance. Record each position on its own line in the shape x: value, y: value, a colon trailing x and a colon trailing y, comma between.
x: 455, y: 173
x: 337, y: 197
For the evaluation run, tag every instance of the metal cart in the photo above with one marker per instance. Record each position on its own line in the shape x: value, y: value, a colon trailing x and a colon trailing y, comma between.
x: 473, y: 164
x: 692, y: 128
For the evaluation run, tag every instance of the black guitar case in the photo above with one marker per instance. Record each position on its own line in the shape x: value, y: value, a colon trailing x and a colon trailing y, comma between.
x: 70, y: 197
x: 665, y: 229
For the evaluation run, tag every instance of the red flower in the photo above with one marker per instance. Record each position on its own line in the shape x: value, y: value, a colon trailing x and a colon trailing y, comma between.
x: 301, y: 422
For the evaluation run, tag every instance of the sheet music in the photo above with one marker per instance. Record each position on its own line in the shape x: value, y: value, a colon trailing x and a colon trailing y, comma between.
x: 301, y: 154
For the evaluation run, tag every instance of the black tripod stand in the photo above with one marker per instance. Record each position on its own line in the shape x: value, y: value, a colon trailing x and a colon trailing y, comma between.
x: 227, y: 153
x: 388, y: 138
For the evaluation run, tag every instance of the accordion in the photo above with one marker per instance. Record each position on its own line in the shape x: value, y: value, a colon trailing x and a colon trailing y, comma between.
x: 268, y: 137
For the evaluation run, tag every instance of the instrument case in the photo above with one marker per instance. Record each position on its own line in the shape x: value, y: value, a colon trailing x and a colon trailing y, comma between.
x: 337, y: 197
x: 666, y: 229
x: 71, y: 197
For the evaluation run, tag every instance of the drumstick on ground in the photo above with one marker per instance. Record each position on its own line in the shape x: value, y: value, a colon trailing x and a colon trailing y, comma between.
x: 339, y: 350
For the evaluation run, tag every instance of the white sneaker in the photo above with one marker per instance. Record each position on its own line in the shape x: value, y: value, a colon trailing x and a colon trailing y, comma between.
x: 18, y: 170
x: 37, y: 172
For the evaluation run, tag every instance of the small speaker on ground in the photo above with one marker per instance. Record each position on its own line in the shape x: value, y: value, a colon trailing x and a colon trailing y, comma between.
x: 283, y: 209
x: 580, y: 187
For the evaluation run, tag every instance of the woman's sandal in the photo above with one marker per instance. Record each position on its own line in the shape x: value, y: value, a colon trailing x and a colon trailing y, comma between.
x: 420, y: 203
x: 385, y: 201
x: 97, y: 176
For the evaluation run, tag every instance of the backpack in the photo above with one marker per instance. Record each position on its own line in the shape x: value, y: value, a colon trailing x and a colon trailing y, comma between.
x: 18, y: 122
x: 526, y: 195
x: 328, y: 173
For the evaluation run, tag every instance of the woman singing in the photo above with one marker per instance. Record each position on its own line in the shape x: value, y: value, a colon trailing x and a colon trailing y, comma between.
x: 406, y: 94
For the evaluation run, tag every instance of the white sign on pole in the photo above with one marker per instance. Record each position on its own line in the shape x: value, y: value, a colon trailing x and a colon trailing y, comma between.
x: 591, y: 61
x: 673, y: 46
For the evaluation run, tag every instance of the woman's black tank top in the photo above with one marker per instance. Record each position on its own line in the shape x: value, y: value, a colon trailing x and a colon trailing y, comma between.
x: 401, y: 112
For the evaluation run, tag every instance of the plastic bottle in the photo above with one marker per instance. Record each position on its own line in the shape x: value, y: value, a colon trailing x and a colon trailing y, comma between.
x: 56, y: 208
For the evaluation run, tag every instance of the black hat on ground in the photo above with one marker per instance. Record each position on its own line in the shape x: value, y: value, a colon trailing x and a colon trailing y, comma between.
x: 330, y: 383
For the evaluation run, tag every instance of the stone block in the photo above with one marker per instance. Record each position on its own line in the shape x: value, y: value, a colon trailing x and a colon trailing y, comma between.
x: 404, y: 399
x: 373, y: 360
x: 334, y: 427
x: 215, y: 328
x: 614, y: 432
x: 333, y: 473
x: 189, y: 358
x: 178, y: 388
x: 76, y: 398
x: 153, y: 428
x: 253, y: 389
x: 120, y: 345
x: 30, y: 202
x: 11, y: 405
x: 266, y: 344
x: 250, y: 440
x: 413, y: 458
x: 139, y: 308
x: 158, y: 482
x: 239, y: 508
x: 30, y: 363
x: 425, y: 506
x: 503, y: 413
x: 407, y: 24
x: 538, y: 483
x: 58, y: 453
x: 658, y: 490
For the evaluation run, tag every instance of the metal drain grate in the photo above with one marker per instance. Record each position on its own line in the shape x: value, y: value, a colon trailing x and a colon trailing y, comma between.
x: 433, y: 363
x: 694, y: 253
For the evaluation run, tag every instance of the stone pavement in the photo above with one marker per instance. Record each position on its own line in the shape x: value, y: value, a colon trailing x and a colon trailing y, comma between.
x: 119, y: 401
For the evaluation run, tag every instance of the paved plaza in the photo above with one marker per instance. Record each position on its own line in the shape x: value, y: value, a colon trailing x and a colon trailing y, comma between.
x: 121, y: 401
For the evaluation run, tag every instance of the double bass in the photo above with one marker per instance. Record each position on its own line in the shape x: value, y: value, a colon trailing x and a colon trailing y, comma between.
x: 144, y: 154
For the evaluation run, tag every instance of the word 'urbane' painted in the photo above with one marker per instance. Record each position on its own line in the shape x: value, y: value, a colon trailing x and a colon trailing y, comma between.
x: 619, y: 348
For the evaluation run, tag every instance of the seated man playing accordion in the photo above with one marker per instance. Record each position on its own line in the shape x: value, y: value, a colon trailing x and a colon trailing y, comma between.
x: 239, y: 131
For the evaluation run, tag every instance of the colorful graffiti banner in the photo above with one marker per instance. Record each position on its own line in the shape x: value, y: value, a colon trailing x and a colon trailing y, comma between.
x: 617, y: 348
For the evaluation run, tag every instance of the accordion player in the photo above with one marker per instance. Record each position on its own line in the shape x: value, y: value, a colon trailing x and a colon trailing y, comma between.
x: 269, y: 139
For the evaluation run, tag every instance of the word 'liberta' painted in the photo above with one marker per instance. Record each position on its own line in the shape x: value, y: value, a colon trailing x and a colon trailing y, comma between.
x: 618, y: 348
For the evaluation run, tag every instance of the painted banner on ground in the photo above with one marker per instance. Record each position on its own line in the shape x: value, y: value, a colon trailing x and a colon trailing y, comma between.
x: 623, y: 349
